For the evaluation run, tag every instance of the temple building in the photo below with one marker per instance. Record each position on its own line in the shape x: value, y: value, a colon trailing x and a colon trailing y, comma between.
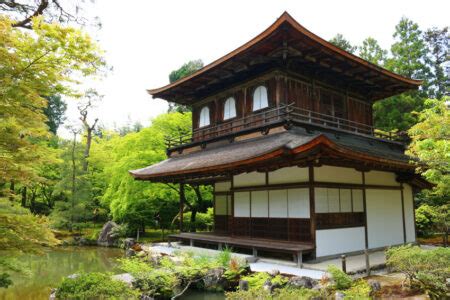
x: 283, y: 130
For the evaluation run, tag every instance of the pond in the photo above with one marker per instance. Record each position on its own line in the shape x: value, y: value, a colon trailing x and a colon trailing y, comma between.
x: 49, y: 268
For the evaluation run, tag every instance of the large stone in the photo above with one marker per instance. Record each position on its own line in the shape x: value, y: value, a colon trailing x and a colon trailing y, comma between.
x: 274, y: 272
x: 109, y: 235
x: 213, y: 280
x: 130, y: 253
x: 128, y: 243
x: 243, y: 285
x: 302, y: 282
x: 374, y: 285
x: 339, y: 296
x: 125, y: 278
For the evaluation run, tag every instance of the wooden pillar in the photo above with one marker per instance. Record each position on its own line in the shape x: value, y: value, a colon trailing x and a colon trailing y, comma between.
x: 182, y: 195
x: 403, y: 213
x: 312, y: 209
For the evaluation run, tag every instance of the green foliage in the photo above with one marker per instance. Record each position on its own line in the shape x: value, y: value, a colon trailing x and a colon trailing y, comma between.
x: 224, y: 257
x: 295, y: 294
x: 426, y: 217
x: 235, y: 269
x: 94, y: 285
x: 340, y: 41
x: 134, y: 266
x: 372, y: 51
x: 341, y: 280
x: 157, y: 283
x: 185, y: 70
x: 252, y: 294
x: 257, y: 280
x: 56, y: 107
x: 425, y: 269
x: 360, y: 289
x: 430, y: 144
x: 36, y: 65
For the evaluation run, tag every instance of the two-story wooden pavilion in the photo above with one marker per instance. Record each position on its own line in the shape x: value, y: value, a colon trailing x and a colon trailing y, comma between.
x: 283, y: 130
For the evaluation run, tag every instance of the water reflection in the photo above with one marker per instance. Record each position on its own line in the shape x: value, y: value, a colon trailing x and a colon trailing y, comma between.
x: 48, y: 269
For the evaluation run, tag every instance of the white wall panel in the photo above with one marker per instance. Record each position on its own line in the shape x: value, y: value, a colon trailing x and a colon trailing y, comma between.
x: 333, y: 200
x: 278, y: 204
x: 249, y: 179
x: 346, y: 200
x: 381, y: 178
x: 321, y: 200
x: 337, y: 241
x: 358, y: 201
x: 384, y: 217
x: 242, y: 204
x: 220, y: 202
x: 298, y: 203
x: 337, y: 174
x: 223, y: 186
x: 289, y: 175
x: 260, y: 205
x: 409, y: 213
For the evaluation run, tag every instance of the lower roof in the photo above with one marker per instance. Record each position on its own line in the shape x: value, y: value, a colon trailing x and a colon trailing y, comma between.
x: 295, y: 146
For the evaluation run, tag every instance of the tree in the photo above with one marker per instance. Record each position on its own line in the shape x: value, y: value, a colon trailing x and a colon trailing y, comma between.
x: 339, y: 41
x: 92, y: 96
x: 34, y: 66
x: 430, y: 144
x: 185, y: 70
x: 372, y: 52
x: 438, y: 47
x: 55, y: 110
x: 409, y: 58
x: 20, y: 231
x: 23, y: 12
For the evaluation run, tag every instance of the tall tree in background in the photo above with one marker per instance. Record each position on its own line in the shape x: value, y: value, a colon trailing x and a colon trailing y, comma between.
x: 340, y: 41
x: 438, y: 41
x: 55, y: 110
x: 91, y: 96
x: 372, y: 51
x: 408, y: 58
x: 185, y: 70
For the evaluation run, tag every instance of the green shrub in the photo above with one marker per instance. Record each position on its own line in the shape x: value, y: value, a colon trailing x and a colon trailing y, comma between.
x: 159, y: 283
x: 341, y: 280
x: 224, y: 257
x: 134, y: 266
x: 249, y: 295
x: 425, y: 269
x: 94, y: 285
x: 426, y: 217
x: 257, y: 280
x: 296, y: 294
x: 360, y: 289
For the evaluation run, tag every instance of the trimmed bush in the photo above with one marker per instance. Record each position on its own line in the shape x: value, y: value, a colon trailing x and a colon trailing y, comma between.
x: 94, y: 285
x: 425, y: 269
x: 341, y: 280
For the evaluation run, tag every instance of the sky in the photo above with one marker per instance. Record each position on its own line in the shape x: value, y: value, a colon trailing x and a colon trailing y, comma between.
x: 144, y: 40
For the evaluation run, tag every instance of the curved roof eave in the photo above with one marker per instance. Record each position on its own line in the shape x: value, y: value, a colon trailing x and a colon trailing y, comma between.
x: 285, y: 17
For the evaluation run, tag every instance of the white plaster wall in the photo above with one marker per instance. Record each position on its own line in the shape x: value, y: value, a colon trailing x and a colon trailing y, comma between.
x: 223, y: 186
x: 220, y: 202
x: 333, y: 200
x: 337, y: 174
x: 381, y: 178
x: 278, y: 204
x: 242, y: 204
x: 342, y: 240
x: 321, y: 200
x: 384, y: 217
x: 260, y: 205
x: 358, y: 201
x: 298, y: 203
x: 289, y: 175
x: 345, y: 200
x: 409, y: 213
x: 249, y: 179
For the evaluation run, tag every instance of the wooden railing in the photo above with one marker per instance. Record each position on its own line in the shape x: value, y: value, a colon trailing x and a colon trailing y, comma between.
x: 284, y: 113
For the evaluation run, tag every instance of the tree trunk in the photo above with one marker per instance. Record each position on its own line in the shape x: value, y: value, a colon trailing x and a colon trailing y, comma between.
x: 73, y: 180
x: 24, y: 196
x: 87, y: 149
x: 11, y: 190
x: 193, y: 215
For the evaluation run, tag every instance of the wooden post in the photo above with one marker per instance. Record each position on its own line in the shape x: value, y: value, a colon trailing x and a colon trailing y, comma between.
x: 299, y: 259
x: 181, y: 205
x: 344, y: 263
x: 366, y: 254
x: 312, y: 210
